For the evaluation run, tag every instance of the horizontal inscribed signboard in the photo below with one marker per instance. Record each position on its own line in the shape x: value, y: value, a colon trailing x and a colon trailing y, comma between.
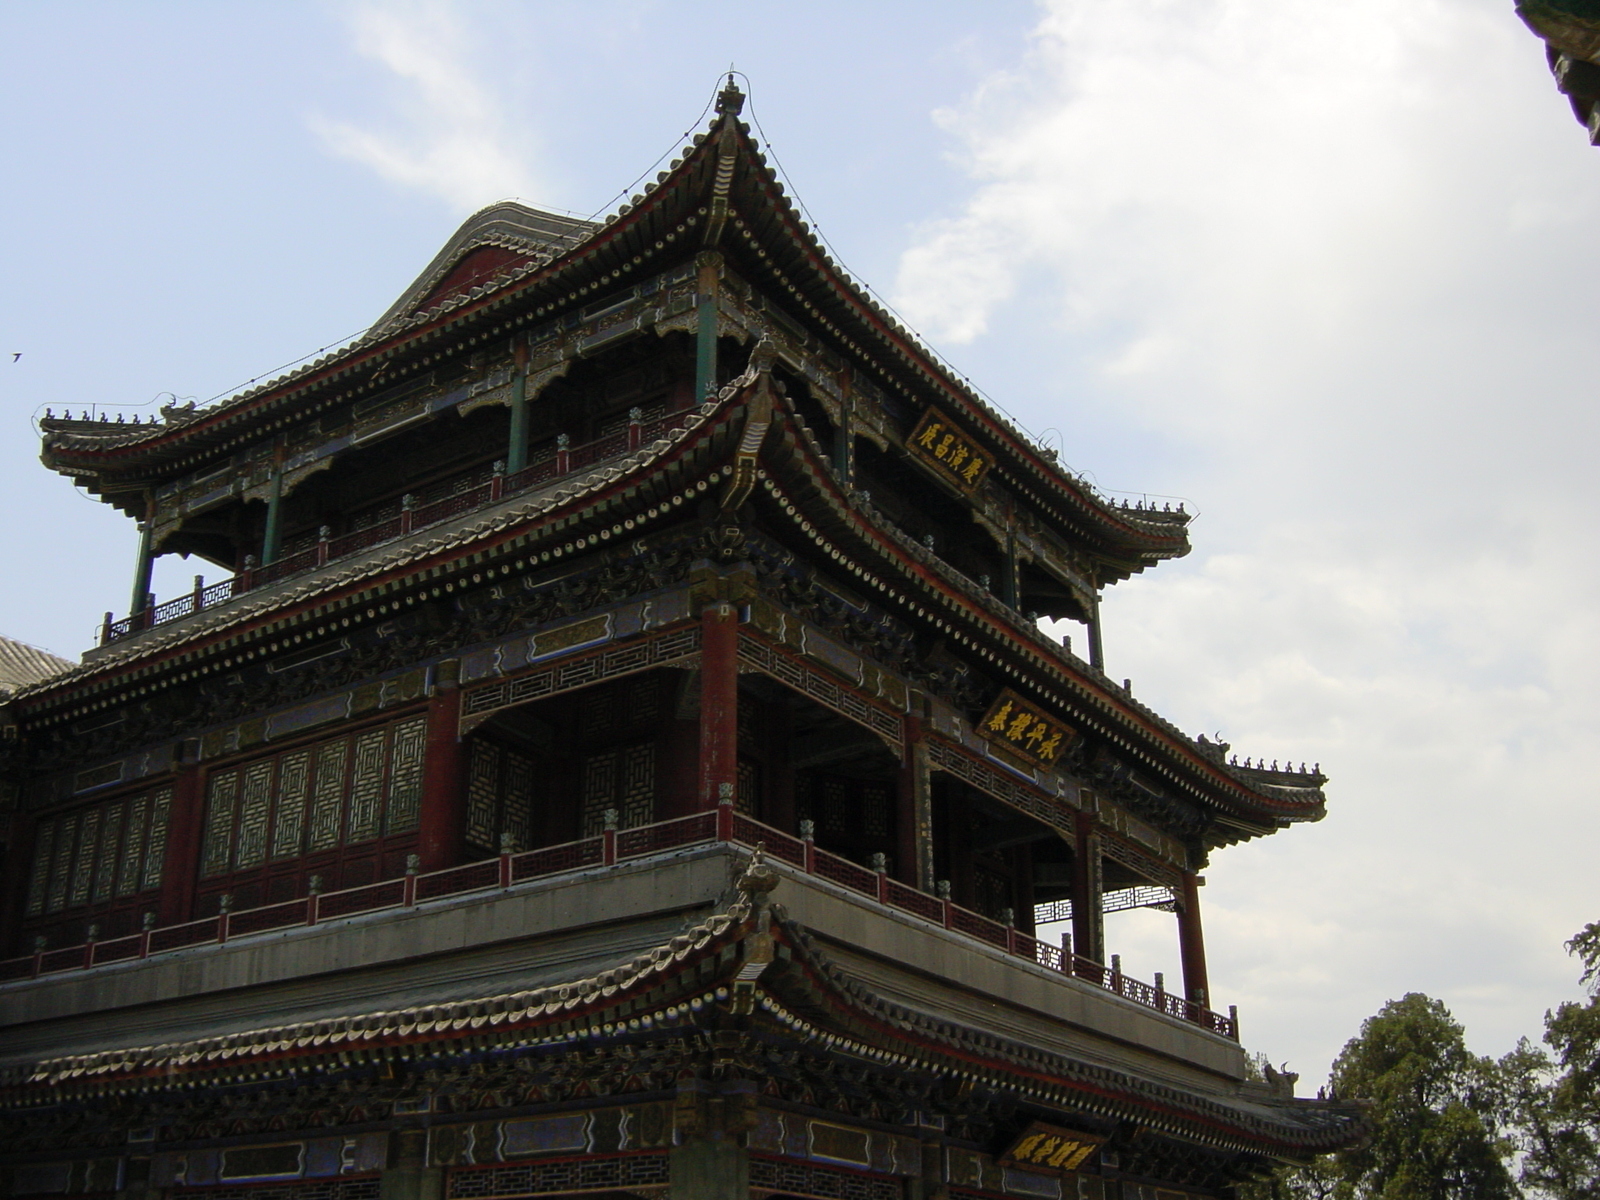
x: 1026, y: 730
x: 1048, y: 1146
x: 939, y: 443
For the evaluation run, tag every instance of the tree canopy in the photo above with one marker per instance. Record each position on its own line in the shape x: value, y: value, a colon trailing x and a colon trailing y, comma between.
x: 1449, y: 1125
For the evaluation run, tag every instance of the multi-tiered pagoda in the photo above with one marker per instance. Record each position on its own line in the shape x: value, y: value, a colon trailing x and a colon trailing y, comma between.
x: 622, y: 758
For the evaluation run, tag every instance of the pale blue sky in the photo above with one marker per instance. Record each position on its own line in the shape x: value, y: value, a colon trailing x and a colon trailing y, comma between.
x: 1325, y: 270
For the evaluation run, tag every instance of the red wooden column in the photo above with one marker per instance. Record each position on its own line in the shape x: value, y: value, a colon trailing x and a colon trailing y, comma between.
x: 1191, y: 943
x: 719, y: 705
x: 443, y: 817
x: 1088, y: 922
x: 185, y: 827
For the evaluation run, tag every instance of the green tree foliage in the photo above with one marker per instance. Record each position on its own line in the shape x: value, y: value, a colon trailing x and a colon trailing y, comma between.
x: 1446, y: 1125
x: 1554, y: 1106
x: 1435, y: 1111
x: 1318, y: 1180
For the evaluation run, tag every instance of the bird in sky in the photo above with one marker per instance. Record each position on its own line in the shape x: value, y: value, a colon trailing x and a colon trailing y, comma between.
x: 16, y: 356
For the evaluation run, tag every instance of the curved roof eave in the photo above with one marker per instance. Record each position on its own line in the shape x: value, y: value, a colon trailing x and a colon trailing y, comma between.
x: 799, y: 991
x: 1164, y: 746
x: 96, y: 451
x: 404, y: 560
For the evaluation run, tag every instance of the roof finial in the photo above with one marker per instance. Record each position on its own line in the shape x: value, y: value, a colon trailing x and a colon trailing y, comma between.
x: 730, y: 100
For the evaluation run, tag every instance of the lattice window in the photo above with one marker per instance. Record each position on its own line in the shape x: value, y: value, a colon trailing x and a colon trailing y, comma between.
x: 877, y: 810
x: 627, y: 704
x: 105, y: 873
x: 43, y: 850
x: 366, y: 786
x: 500, y: 791
x: 595, y: 712
x: 837, y: 797
x: 61, y: 869
x: 749, y: 722
x: 643, y: 699
x: 404, y: 809
x: 599, y: 789
x: 517, y: 790
x: 638, y: 798
x: 747, y: 798
x: 222, y: 792
x: 83, y: 865
x: 991, y: 893
x: 155, y: 850
x: 255, y: 803
x: 327, y: 795
x: 344, y: 791
x: 483, y: 784
x: 623, y: 778
x: 852, y: 817
x: 95, y: 854
x: 294, y: 789
x: 132, y: 846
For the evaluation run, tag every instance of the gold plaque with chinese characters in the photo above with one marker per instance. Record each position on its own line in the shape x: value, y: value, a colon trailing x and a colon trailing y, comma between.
x: 1026, y: 730
x: 939, y: 443
x: 1050, y: 1146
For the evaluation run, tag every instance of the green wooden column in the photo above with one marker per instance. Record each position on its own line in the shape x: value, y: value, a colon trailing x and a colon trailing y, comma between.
x: 705, y: 341
x: 844, y: 449
x: 272, y: 539
x: 1009, y: 591
x: 517, y: 451
x: 143, y: 567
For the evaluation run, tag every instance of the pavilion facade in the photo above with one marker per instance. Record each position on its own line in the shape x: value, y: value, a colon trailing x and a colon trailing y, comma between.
x: 622, y: 759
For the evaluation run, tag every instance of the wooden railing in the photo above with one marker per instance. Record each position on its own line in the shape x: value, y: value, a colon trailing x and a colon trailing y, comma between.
x: 605, y: 849
x: 327, y: 548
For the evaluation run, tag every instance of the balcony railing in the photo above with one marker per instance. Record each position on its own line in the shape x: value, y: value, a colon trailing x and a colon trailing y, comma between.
x: 563, y: 461
x: 608, y: 848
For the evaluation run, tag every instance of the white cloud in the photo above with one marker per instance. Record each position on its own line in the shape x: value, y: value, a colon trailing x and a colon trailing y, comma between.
x: 1342, y: 254
x: 450, y: 137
